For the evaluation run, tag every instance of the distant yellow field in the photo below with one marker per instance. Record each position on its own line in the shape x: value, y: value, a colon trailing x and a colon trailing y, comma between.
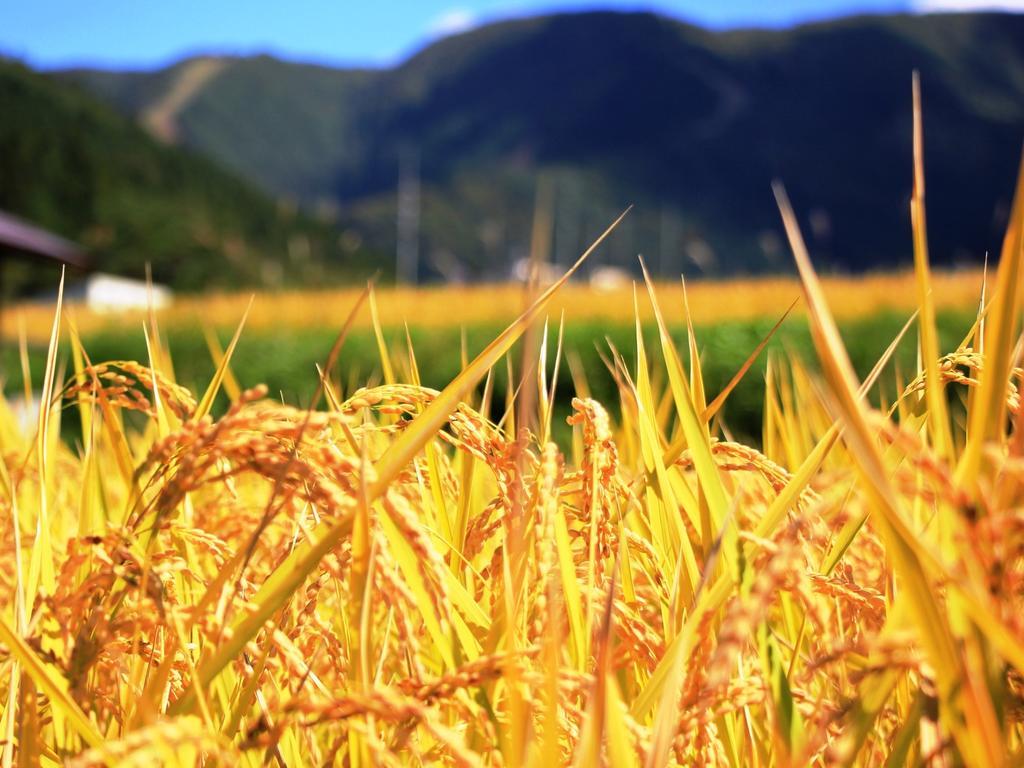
x: 446, y: 306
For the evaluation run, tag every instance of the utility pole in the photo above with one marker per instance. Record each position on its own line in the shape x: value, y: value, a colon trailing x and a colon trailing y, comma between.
x: 407, y: 252
x: 666, y: 242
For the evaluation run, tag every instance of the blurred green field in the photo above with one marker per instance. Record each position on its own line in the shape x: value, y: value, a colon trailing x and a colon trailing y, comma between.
x: 286, y: 359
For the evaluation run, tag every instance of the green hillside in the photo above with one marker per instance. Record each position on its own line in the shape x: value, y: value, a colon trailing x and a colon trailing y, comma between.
x: 617, y: 108
x: 77, y: 167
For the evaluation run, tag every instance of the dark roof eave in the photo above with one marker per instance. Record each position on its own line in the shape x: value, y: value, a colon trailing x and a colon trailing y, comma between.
x: 28, y: 238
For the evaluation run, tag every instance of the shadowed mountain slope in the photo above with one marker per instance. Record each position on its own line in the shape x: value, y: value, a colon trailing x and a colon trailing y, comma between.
x: 610, y: 108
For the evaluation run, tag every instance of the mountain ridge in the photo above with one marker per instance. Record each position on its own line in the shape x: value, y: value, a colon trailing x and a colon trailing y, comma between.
x: 609, y: 108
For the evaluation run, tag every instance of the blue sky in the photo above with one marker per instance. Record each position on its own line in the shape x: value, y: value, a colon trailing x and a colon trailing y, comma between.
x: 147, y: 33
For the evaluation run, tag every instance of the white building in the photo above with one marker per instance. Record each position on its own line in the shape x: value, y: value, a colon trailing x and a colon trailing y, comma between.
x: 109, y: 293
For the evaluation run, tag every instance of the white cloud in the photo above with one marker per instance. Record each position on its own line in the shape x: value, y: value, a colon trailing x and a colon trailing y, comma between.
x: 451, y: 22
x: 940, y: 6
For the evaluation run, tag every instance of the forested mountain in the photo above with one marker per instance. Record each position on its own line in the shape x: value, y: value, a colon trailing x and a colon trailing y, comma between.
x: 603, y: 109
x: 80, y: 169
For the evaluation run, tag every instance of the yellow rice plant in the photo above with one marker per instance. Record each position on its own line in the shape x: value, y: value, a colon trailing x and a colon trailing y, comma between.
x: 396, y: 579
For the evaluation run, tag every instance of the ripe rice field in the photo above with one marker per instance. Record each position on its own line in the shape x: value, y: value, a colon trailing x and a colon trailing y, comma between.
x: 395, y: 574
x: 446, y: 307
x: 287, y: 335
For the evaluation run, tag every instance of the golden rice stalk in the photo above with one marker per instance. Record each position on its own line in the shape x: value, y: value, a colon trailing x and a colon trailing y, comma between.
x: 398, y: 580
